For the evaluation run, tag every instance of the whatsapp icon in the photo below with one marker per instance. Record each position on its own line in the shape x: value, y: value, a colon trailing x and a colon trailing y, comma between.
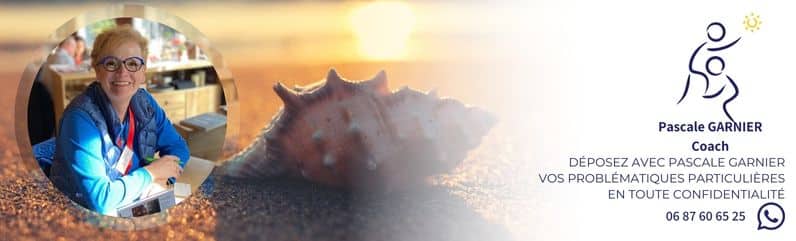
x: 770, y: 216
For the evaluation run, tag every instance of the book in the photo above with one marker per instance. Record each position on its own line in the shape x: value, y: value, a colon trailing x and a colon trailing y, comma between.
x: 157, y: 198
x: 151, y: 204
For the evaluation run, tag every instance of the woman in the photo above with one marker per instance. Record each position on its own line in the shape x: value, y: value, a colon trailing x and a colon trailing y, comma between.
x: 80, y: 54
x: 109, y: 131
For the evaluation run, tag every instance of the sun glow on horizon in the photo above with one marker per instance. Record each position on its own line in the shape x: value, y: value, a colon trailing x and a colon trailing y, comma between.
x: 382, y: 29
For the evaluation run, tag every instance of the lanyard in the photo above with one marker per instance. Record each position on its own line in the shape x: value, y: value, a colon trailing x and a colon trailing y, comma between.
x: 130, y: 134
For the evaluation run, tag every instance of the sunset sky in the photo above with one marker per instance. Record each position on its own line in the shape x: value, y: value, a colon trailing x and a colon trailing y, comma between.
x: 470, y: 51
x: 283, y: 32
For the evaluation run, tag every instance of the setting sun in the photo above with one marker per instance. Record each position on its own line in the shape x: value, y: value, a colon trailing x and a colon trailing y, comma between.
x: 382, y: 29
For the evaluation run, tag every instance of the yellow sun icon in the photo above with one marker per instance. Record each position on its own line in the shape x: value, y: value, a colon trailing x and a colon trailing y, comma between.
x: 752, y: 22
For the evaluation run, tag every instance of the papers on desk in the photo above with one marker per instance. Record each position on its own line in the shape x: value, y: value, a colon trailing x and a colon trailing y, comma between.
x: 158, y: 197
x: 154, y: 203
x: 195, y: 173
x: 182, y: 191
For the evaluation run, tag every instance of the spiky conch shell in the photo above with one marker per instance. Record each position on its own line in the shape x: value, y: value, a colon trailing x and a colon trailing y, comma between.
x: 354, y: 134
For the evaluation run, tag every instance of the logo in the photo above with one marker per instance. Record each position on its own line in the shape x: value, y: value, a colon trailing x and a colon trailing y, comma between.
x: 718, y: 84
x: 770, y: 216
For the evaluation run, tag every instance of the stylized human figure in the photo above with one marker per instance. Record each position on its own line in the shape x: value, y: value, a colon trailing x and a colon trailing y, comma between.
x: 710, y: 71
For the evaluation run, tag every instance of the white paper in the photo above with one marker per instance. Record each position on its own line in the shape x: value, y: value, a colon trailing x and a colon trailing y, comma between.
x: 182, y: 189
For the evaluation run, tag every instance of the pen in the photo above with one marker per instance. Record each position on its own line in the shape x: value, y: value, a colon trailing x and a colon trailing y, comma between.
x: 151, y: 159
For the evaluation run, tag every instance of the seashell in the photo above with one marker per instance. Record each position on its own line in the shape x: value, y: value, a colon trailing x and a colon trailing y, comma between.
x: 354, y: 134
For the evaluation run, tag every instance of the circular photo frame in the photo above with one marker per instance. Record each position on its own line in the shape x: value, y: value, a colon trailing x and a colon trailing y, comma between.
x: 126, y: 111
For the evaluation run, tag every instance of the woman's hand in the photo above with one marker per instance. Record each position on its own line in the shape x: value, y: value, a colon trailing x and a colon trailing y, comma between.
x: 164, y: 168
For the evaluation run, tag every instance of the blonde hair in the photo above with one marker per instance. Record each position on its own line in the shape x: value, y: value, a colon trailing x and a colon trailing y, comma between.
x: 115, y: 37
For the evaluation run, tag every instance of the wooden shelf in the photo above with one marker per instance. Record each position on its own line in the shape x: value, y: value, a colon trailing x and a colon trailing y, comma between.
x: 186, y: 103
x: 178, y: 104
x: 159, y: 67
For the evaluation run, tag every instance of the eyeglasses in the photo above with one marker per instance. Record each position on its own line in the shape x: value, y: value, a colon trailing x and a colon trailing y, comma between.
x: 112, y: 63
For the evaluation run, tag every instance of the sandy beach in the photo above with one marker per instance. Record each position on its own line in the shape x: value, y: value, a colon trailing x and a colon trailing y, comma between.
x: 485, y: 198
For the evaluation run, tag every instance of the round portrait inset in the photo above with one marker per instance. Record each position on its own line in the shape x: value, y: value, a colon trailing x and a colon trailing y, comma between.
x: 127, y: 116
